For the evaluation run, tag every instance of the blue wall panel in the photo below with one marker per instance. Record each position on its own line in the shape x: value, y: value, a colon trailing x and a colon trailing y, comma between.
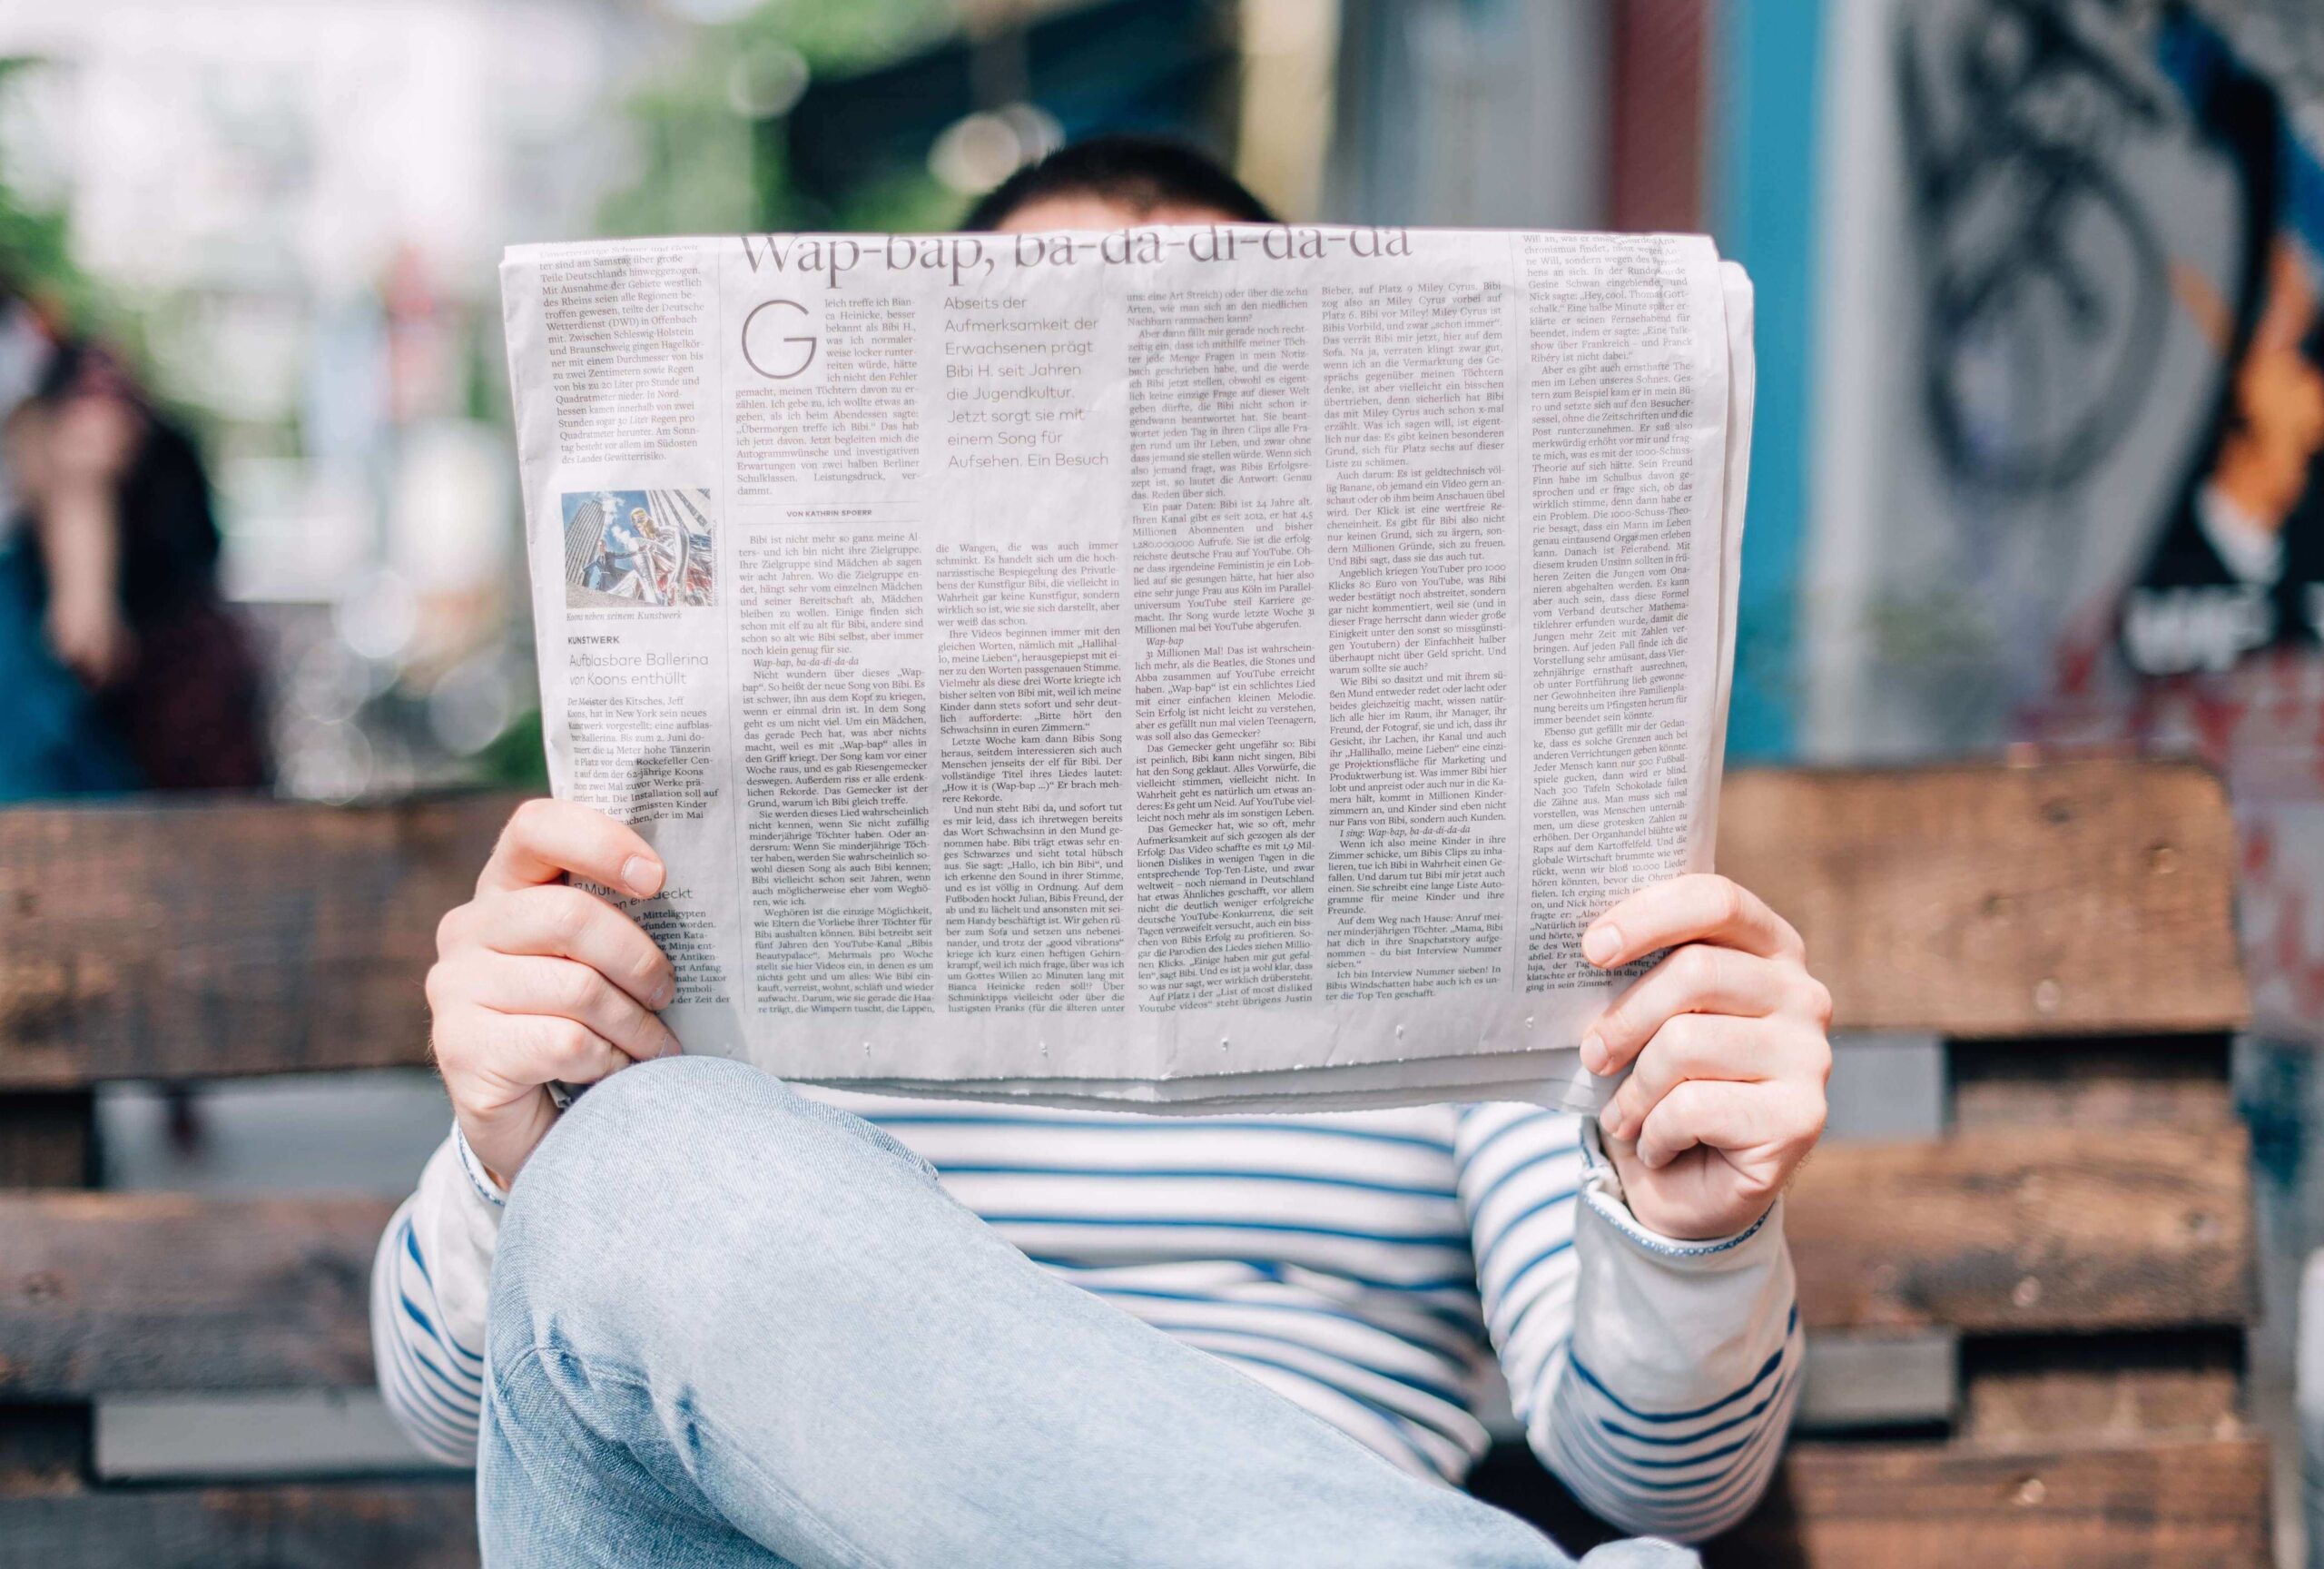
x: 1766, y: 81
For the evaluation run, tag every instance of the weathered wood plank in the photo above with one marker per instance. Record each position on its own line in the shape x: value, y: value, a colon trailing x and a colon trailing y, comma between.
x: 2072, y: 898
x: 2027, y: 1229
x: 2196, y: 1505
x: 368, y: 1525
x: 2178, y: 1080
x: 43, y: 1449
x: 48, y: 1140
x: 2103, y: 1387
x: 1842, y: 1506
x: 103, y: 1292
x: 168, y: 940
x: 174, y: 939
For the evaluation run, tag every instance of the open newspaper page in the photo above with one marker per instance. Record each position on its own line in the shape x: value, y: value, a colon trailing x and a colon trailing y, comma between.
x: 1183, y: 667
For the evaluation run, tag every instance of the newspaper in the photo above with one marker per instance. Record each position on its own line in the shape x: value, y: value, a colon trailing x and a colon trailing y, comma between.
x: 1177, y: 668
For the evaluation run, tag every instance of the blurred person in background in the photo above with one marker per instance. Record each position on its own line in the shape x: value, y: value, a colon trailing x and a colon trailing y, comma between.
x: 113, y: 556
x: 58, y: 742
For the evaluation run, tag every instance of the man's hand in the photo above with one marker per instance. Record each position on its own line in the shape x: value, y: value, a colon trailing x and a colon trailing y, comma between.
x: 1725, y: 1040
x: 536, y: 979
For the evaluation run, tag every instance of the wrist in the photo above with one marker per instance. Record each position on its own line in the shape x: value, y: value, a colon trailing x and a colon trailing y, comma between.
x: 1620, y: 1179
x: 487, y: 1184
x: 495, y: 1144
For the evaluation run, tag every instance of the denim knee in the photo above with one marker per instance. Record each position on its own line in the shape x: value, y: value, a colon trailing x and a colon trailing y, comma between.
x: 654, y: 1129
x: 673, y: 1131
x: 660, y: 1178
x: 1641, y: 1552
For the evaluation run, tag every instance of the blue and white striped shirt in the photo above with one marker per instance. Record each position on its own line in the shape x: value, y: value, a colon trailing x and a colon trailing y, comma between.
x: 1367, y: 1266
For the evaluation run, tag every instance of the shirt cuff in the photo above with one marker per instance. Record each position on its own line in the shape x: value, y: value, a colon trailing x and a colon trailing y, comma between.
x: 481, y: 1181
x: 1601, y: 1189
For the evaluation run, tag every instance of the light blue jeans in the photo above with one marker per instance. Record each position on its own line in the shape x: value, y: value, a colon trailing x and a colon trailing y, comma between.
x: 732, y: 1326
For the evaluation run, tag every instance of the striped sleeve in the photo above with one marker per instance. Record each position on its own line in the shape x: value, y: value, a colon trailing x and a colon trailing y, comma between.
x: 430, y: 1283
x: 1655, y: 1377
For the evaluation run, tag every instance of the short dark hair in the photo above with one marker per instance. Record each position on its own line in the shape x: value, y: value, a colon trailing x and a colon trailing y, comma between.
x: 1141, y: 173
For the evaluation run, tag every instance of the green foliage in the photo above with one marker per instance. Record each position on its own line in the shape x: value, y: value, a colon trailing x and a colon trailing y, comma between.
x: 704, y: 168
x: 694, y: 159
x: 518, y: 758
x: 37, y: 264
x: 34, y: 257
x: 36, y: 254
x: 841, y: 36
x: 912, y: 202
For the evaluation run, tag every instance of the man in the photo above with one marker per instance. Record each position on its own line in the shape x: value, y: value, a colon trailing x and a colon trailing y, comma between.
x: 732, y: 1324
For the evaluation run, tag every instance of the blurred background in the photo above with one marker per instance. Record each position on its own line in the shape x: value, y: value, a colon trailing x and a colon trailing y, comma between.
x: 2041, y: 360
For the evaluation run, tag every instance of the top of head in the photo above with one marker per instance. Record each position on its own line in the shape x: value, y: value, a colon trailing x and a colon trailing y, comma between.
x: 1112, y: 183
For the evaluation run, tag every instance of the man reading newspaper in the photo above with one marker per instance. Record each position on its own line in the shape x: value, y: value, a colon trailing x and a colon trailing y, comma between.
x: 703, y: 1317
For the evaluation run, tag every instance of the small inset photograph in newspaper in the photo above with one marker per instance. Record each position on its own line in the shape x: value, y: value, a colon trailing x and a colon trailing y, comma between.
x: 638, y: 549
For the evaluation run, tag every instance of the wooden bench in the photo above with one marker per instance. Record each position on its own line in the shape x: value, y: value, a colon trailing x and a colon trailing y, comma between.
x: 2071, y: 1261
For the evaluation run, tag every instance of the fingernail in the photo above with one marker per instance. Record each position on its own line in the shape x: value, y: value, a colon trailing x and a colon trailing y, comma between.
x: 1601, y: 943
x: 641, y: 876
x: 1611, y: 1120
x: 1593, y: 1052
x: 663, y: 994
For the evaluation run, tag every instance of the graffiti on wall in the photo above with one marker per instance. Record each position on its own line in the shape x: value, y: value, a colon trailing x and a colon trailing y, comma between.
x: 2045, y: 287
x: 2117, y: 214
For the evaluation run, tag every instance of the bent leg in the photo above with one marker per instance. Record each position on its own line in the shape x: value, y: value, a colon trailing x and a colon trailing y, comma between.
x: 731, y: 1325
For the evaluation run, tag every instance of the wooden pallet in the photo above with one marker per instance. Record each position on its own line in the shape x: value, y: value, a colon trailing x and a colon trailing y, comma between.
x: 2079, y: 1240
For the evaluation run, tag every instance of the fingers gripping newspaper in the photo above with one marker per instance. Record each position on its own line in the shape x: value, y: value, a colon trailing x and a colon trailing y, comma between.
x: 1178, y: 668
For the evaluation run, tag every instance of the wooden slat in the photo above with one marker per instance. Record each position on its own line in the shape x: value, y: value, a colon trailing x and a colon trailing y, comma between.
x: 1834, y: 1506
x: 2201, y: 1505
x: 2102, y: 1386
x: 43, y: 1449
x: 2017, y: 1231
x: 104, y: 1292
x: 2027, y: 1229
x: 2076, y: 898
x: 48, y: 1140
x: 231, y: 936
x: 368, y: 1525
x: 2179, y: 1079
x: 145, y: 940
